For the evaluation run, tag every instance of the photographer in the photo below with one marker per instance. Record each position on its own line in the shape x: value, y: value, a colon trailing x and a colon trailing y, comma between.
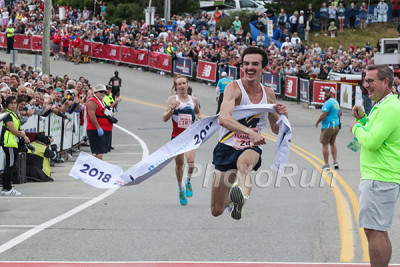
x: 37, y: 161
x: 9, y: 135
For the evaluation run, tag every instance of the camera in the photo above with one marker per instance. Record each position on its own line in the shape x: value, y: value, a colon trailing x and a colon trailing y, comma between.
x: 25, y: 147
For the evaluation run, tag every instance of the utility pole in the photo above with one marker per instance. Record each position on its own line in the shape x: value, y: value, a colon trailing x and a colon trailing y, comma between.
x: 167, y: 10
x: 46, y: 37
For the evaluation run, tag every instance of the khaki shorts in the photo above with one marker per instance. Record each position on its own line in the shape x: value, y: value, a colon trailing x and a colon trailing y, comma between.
x: 328, y: 135
x: 77, y: 52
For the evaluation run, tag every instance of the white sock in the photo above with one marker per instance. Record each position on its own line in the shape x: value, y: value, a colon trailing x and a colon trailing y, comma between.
x: 181, y: 187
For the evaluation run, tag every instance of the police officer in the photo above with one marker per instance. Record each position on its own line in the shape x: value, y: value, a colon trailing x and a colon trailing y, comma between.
x: 10, y: 37
x: 222, y: 83
x: 9, y: 136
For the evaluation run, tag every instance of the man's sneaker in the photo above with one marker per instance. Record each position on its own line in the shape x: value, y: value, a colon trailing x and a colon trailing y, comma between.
x: 182, y: 198
x: 336, y: 165
x: 325, y: 167
x: 189, y: 189
x: 11, y: 192
x: 237, y: 199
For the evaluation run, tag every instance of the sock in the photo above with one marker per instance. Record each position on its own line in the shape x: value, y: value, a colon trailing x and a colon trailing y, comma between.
x: 181, y: 187
x: 188, y: 180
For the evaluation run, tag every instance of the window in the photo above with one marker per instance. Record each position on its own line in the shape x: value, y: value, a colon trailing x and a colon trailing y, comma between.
x: 246, y: 4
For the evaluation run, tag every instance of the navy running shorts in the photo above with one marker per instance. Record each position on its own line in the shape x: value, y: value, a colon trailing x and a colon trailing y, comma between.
x: 225, y: 157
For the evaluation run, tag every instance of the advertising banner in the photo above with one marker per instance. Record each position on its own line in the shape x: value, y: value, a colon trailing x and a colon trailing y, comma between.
x: 3, y: 39
x: 160, y: 61
x: 207, y: 71
x: 22, y: 42
x: 86, y: 48
x: 36, y: 43
x: 319, y: 94
x: 272, y: 81
x: 359, y: 100
x: 106, y: 52
x: 291, y: 86
x: 133, y: 56
x: 346, y: 96
x: 304, y: 90
x: 183, y: 66
x: 232, y: 73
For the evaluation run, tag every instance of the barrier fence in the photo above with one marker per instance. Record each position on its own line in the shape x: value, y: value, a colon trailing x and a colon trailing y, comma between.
x: 66, y: 133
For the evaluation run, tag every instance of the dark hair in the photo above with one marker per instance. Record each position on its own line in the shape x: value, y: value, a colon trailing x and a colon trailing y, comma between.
x: 10, y: 99
x: 384, y: 71
x: 42, y: 138
x: 256, y: 50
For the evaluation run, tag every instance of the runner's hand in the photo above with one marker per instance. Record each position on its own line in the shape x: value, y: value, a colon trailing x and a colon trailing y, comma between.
x: 256, y: 138
x: 280, y: 109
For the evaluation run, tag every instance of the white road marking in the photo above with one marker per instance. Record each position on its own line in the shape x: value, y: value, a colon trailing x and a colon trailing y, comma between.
x: 37, y: 229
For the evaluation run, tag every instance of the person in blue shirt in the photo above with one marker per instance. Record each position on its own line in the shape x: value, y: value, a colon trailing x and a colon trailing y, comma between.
x: 222, y: 83
x: 277, y: 33
x: 330, y: 126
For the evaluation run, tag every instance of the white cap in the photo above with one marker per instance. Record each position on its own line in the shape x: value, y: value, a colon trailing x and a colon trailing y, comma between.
x: 330, y: 89
x: 223, y: 74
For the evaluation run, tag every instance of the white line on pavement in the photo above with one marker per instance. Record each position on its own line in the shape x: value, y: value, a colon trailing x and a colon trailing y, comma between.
x: 37, y: 229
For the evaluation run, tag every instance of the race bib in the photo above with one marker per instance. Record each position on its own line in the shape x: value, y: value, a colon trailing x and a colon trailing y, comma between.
x: 242, y: 141
x: 184, y: 120
x: 116, y: 83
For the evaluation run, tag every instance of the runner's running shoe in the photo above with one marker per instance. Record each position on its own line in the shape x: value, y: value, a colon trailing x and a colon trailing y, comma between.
x: 182, y: 198
x: 336, y: 165
x: 237, y: 199
x: 11, y: 192
x: 189, y: 189
x: 325, y: 167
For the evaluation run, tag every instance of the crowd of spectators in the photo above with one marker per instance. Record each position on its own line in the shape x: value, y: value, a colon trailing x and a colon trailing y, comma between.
x: 200, y: 37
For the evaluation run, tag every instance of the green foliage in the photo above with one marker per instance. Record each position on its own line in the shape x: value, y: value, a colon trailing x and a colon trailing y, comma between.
x: 244, y: 17
x: 117, y: 13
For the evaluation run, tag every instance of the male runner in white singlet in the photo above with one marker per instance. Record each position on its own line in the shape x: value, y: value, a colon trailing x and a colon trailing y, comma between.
x: 239, y: 149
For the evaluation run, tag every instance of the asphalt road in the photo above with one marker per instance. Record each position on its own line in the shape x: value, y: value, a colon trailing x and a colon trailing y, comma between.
x: 284, y: 220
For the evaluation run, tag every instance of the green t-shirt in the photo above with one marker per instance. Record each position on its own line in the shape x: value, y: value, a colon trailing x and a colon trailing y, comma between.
x: 379, y: 136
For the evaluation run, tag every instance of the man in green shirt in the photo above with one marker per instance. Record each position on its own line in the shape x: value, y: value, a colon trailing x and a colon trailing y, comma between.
x: 10, y: 37
x: 379, y: 136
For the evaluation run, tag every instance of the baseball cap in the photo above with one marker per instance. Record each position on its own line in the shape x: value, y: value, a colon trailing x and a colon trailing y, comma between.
x: 49, y: 86
x: 27, y: 84
x: 329, y: 89
x: 99, y: 88
x: 223, y: 74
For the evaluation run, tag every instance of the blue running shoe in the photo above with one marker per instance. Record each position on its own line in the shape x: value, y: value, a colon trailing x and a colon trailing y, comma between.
x: 182, y: 198
x: 237, y: 201
x: 189, y: 189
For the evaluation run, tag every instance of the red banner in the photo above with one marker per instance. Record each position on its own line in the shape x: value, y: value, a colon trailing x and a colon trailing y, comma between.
x: 22, y: 42
x: 107, y: 52
x: 207, y: 70
x: 160, y: 61
x: 36, y: 43
x: 319, y: 94
x: 132, y: 56
x: 291, y: 86
x: 3, y: 39
x: 86, y: 48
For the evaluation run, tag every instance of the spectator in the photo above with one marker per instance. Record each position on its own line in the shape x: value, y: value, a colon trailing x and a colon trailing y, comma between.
x: 282, y: 19
x: 332, y: 29
x: 236, y: 23
x: 260, y: 25
x: 352, y: 16
x: 310, y: 15
x: 260, y: 40
x: 217, y: 15
x: 395, y: 10
x: 277, y: 33
x: 301, y: 21
x: 324, y: 15
x: 382, y: 9
x: 293, y: 22
x: 265, y: 21
x: 332, y: 13
x: 363, y: 16
x: 341, y: 11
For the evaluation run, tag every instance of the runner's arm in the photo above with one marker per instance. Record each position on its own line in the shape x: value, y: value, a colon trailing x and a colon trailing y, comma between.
x: 280, y: 108
x: 169, y: 110
x: 196, y: 108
